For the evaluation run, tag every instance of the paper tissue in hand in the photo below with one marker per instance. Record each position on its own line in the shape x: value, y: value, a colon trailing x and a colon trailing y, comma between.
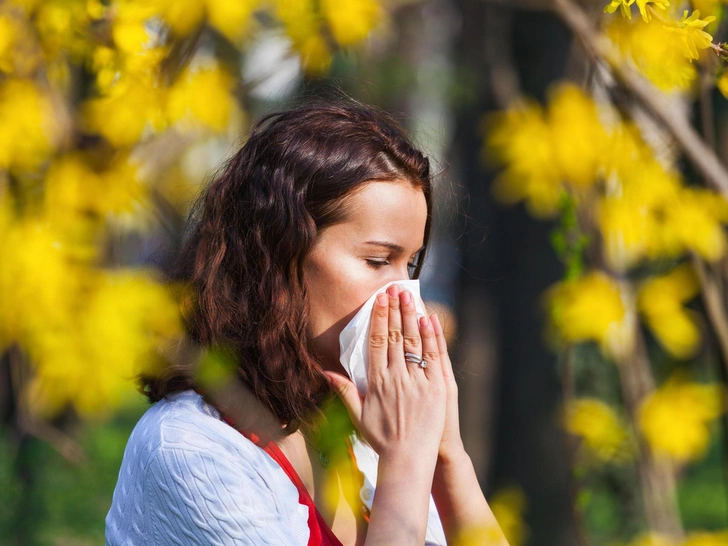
x: 354, y: 338
x: 354, y: 345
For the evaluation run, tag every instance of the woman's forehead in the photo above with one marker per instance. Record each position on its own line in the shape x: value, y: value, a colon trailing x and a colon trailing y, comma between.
x: 387, y: 211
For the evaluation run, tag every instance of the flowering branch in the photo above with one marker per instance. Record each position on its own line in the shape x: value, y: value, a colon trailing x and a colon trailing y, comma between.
x: 678, y: 126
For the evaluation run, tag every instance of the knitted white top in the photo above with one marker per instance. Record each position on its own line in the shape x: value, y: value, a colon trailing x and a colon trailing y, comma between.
x: 189, y: 478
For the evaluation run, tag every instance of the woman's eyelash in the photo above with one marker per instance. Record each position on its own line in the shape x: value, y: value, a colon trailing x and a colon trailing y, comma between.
x: 377, y: 264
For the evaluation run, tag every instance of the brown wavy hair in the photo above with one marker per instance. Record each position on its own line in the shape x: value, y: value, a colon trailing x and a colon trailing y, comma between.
x: 251, y: 228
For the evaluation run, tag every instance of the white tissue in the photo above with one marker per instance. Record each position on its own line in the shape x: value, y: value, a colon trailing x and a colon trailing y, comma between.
x: 354, y: 338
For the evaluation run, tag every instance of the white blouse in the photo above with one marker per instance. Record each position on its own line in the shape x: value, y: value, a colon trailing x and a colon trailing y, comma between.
x: 189, y: 478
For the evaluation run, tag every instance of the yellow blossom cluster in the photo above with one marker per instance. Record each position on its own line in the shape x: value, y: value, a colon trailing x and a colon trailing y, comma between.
x: 315, y: 26
x: 650, y: 214
x: 92, y: 359
x: 29, y: 131
x: 661, y: 46
x: 596, y: 307
x: 597, y: 424
x: 660, y: 301
x: 544, y: 149
x: 644, y: 210
x: 136, y: 93
x: 135, y: 104
x: 624, y: 6
x: 86, y: 331
x: 592, y: 308
x: 674, y: 419
x: 84, y: 328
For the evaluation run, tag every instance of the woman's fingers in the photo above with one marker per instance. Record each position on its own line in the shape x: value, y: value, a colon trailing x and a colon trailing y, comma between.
x: 396, y: 346
x: 442, y: 348
x: 410, y: 329
x: 378, y: 337
x: 430, y: 350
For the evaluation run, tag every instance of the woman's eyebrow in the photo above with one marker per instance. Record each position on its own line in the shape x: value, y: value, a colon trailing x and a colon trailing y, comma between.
x: 392, y: 246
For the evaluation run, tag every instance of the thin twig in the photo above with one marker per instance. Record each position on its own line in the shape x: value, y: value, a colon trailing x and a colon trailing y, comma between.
x: 64, y: 444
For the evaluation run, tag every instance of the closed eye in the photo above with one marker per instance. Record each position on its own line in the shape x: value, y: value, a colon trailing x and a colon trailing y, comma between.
x: 377, y: 264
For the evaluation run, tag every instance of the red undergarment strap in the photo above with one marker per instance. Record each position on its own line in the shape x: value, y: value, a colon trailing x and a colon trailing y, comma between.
x: 320, y: 533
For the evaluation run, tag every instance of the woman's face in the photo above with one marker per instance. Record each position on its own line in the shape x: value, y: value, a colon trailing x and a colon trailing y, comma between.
x: 350, y: 260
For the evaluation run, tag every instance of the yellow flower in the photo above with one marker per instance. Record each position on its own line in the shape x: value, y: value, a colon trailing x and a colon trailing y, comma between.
x: 111, y: 64
x: 579, y: 138
x: 28, y: 128
x: 19, y: 52
x: 624, y: 5
x: 81, y: 183
x: 674, y: 419
x: 8, y: 35
x: 591, y: 308
x: 625, y: 148
x: 695, y: 219
x: 631, y: 217
x: 651, y: 48
x: 642, y: 5
x: 660, y: 300
x: 91, y: 360
x: 625, y: 230
x: 204, y: 96
x: 598, y: 425
x: 351, y: 21
x: 303, y: 25
x: 231, y: 17
x: 691, y: 34
x: 36, y: 268
x: 132, y: 106
x: 62, y: 26
x: 521, y: 138
x: 182, y: 16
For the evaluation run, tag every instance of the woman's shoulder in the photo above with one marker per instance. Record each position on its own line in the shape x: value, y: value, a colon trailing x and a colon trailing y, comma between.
x: 187, y: 472
x: 184, y: 422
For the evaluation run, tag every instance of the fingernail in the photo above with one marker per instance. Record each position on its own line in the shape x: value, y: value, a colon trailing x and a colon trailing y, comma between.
x: 382, y: 299
x: 424, y: 322
x: 406, y: 297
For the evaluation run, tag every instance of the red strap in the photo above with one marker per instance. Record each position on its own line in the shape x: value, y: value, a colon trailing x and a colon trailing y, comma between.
x: 320, y: 533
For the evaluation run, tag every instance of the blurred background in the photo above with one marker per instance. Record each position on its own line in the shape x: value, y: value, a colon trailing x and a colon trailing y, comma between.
x: 579, y: 253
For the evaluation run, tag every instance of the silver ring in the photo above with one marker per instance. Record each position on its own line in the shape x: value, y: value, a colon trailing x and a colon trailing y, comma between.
x: 416, y: 359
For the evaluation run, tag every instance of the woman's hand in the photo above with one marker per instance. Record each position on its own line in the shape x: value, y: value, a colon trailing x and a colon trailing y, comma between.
x: 451, y: 444
x: 404, y: 410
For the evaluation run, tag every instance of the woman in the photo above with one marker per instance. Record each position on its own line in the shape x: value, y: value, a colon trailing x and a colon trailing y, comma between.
x: 323, y: 205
